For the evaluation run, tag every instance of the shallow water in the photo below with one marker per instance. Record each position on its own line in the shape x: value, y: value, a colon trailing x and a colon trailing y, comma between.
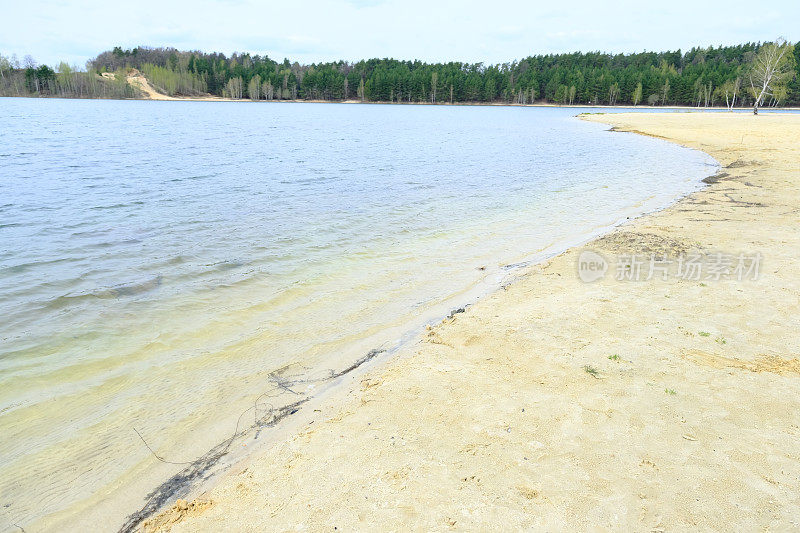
x: 164, y: 265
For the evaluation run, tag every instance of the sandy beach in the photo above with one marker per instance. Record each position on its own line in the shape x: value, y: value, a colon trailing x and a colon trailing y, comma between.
x: 556, y: 404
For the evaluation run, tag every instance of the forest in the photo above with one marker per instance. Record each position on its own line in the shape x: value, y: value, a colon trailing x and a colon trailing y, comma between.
x: 697, y: 77
x: 29, y: 79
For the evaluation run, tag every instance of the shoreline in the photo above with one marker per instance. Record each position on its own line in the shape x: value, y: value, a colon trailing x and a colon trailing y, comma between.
x: 335, y: 389
x: 389, y: 385
x: 127, y: 492
x: 210, y: 98
x: 213, y: 467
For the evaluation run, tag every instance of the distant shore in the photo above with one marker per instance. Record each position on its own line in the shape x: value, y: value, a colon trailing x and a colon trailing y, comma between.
x: 210, y: 98
x: 559, y: 404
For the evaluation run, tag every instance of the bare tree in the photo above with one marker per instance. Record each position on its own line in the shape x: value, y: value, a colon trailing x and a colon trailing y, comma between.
x: 779, y: 94
x: 637, y: 94
x: 613, y: 92
x: 734, y: 87
x: 726, y: 90
x: 700, y: 87
x: 234, y: 88
x: 770, y: 67
x: 434, y: 82
x: 5, y: 65
x: 254, y: 88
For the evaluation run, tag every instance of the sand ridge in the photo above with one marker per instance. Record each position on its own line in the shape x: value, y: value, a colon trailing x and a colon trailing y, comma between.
x: 557, y: 404
x: 137, y: 80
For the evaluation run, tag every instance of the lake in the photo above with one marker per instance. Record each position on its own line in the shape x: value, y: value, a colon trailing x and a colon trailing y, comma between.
x: 166, y: 266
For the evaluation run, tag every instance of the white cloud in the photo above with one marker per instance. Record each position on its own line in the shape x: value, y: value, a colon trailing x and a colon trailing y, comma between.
x: 322, y: 30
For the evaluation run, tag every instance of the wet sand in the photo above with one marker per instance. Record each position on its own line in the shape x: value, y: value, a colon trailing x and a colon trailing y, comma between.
x: 558, y: 404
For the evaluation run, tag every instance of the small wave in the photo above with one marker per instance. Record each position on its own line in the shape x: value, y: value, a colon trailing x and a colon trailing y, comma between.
x: 109, y: 244
x: 132, y: 289
x: 117, y: 206
x: 226, y: 265
x: 23, y: 267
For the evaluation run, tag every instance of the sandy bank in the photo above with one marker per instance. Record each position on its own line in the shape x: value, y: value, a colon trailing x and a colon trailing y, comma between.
x: 557, y: 404
x: 140, y: 82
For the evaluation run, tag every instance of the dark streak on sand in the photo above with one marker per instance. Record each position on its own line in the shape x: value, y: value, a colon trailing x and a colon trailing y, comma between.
x: 180, y: 485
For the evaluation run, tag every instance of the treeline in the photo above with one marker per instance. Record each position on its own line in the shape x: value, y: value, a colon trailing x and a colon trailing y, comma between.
x: 30, y: 79
x: 698, y: 77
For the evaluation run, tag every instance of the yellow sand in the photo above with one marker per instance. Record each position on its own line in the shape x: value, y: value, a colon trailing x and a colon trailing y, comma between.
x: 140, y: 82
x: 491, y: 421
x: 137, y: 80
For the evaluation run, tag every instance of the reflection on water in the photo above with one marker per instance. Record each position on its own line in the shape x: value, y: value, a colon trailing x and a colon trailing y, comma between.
x: 163, y: 265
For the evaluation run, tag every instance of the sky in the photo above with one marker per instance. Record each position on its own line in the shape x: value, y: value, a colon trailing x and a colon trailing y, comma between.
x: 324, y: 30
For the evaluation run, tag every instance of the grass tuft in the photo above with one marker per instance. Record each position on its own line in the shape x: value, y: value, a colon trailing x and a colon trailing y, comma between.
x: 592, y: 371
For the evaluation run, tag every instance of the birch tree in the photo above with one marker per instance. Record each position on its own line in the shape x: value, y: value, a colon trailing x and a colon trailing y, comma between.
x: 779, y: 94
x: 736, y: 86
x: 637, y: 94
x: 729, y: 89
x: 613, y: 92
x: 770, y: 68
x: 234, y: 88
x: 254, y: 88
x: 5, y: 65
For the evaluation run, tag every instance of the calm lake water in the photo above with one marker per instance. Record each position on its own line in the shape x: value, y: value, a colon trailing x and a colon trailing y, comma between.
x: 166, y: 265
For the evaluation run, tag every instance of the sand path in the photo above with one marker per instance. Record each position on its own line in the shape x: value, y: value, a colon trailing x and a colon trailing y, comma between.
x: 141, y: 83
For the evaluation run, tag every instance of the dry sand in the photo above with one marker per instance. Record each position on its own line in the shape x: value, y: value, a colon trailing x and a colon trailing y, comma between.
x: 140, y: 82
x: 137, y: 80
x: 491, y: 420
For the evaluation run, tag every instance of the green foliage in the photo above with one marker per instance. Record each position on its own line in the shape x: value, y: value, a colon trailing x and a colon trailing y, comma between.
x: 793, y: 87
x: 67, y: 82
x: 174, y: 82
x: 689, y: 78
x: 698, y: 77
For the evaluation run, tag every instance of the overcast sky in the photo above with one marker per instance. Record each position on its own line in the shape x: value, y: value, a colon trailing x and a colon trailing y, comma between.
x: 320, y: 30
